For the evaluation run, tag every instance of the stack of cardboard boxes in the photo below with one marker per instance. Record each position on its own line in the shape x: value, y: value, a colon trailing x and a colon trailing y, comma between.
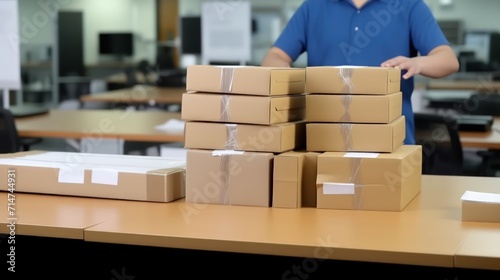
x: 237, y: 119
x: 354, y: 118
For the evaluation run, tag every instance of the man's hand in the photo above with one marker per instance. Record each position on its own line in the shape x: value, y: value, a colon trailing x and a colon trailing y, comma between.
x: 411, y: 65
x: 439, y: 63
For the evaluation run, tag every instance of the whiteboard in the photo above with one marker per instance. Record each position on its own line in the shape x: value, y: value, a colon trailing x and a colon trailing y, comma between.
x: 10, y: 69
x: 226, y: 31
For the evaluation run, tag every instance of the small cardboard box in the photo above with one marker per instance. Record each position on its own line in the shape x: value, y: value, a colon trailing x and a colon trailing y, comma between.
x: 141, y: 178
x: 275, y: 138
x: 481, y: 207
x: 229, y: 177
x: 356, y: 137
x: 354, y: 108
x: 243, y: 108
x: 352, y: 79
x: 369, y: 181
x: 250, y: 80
x: 294, y: 179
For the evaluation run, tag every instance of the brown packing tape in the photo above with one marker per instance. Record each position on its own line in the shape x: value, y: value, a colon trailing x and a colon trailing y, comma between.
x: 164, y: 185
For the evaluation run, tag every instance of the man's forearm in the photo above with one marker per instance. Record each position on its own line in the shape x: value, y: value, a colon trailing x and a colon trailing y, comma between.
x: 439, y: 63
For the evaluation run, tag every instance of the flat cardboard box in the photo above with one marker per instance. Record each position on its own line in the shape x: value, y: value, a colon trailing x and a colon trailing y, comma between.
x: 352, y: 79
x: 369, y: 181
x: 356, y: 137
x: 141, y: 178
x: 294, y: 179
x: 275, y: 138
x: 229, y: 177
x: 249, y: 80
x: 354, y: 108
x: 481, y: 207
x: 232, y: 108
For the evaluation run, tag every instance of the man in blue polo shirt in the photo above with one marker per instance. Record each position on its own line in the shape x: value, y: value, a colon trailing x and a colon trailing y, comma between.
x: 387, y: 33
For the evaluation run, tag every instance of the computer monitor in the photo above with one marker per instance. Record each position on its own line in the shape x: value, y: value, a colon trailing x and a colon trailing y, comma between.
x: 116, y: 44
x: 190, y: 31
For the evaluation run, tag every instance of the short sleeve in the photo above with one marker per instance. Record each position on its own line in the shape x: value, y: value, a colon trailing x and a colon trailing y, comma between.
x: 426, y: 34
x: 292, y: 39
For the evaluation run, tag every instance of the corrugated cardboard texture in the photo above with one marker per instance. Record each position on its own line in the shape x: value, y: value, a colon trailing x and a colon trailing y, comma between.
x: 357, y: 137
x: 354, y: 108
x: 244, y: 137
x: 480, y: 212
x: 232, y: 108
x: 385, y: 183
x: 161, y: 185
x: 353, y: 80
x: 249, y: 80
x: 232, y: 179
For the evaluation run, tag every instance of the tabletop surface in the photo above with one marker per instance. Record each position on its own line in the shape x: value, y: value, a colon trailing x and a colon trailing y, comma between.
x: 124, y: 124
x: 429, y: 231
x: 489, y: 139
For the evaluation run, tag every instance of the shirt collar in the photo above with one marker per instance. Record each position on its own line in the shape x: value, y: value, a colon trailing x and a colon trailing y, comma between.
x: 385, y: 1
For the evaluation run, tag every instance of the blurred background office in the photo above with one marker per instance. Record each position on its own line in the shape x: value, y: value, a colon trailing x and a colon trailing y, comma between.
x: 64, y: 43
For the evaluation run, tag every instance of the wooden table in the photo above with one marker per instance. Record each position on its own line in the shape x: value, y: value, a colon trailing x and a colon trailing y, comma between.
x: 138, y: 95
x: 479, y: 84
x: 489, y: 139
x: 428, y: 234
x: 54, y: 216
x: 116, y: 124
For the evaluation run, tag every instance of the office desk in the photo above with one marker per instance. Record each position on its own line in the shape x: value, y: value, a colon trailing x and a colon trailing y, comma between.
x: 429, y: 232
x: 426, y: 238
x: 117, y: 124
x: 488, y: 139
x: 476, y: 85
x: 138, y: 95
x: 55, y: 216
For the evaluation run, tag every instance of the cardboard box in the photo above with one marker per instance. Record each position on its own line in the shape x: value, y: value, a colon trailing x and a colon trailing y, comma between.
x: 275, y: 138
x: 356, y: 137
x: 142, y: 178
x: 294, y: 179
x: 352, y: 80
x: 250, y: 80
x: 243, y: 108
x: 369, y: 181
x: 309, y: 179
x: 229, y: 177
x: 354, y: 108
x: 481, y: 207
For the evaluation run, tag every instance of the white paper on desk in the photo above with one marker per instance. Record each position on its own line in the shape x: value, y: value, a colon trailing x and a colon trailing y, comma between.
x: 172, y: 125
x: 481, y: 197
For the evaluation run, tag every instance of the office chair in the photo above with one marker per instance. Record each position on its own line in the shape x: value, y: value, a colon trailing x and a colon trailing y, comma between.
x: 442, y: 151
x: 10, y: 140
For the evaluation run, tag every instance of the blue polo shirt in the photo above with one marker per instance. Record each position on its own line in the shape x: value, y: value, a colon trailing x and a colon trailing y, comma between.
x: 335, y: 32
